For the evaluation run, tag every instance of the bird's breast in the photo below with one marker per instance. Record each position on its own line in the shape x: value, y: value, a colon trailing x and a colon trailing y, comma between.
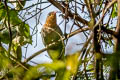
x: 50, y: 35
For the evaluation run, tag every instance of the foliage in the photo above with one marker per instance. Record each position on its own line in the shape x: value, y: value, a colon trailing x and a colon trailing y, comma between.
x: 98, y: 20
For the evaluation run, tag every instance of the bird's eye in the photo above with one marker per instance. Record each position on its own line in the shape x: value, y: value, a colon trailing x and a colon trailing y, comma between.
x: 49, y: 14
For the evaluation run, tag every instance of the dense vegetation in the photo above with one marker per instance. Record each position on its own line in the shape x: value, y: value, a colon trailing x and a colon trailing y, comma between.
x: 98, y: 20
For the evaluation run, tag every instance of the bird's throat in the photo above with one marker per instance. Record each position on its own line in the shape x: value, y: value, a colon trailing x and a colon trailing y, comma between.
x: 50, y: 22
x: 51, y: 25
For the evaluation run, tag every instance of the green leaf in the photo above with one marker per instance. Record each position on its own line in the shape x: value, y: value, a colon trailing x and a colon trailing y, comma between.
x: 56, y: 65
x: 36, y: 71
x: 2, y: 11
x: 67, y: 75
x: 114, y: 13
x: 110, y: 43
x: 32, y: 73
x: 19, y: 27
x: 45, y: 68
x: 5, y: 63
x: 17, y: 52
x: 90, y: 67
x: 14, y: 19
x: 4, y: 35
x: 23, y: 28
x: 17, y: 73
x: 72, y: 63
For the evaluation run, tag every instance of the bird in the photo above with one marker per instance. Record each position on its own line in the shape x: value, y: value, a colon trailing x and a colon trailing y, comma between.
x: 51, y: 33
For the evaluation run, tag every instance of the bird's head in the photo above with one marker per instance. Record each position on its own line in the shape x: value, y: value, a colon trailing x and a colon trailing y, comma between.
x: 53, y: 13
x: 51, y: 18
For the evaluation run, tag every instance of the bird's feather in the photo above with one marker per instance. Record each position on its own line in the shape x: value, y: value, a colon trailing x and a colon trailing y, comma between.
x: 51, y: 33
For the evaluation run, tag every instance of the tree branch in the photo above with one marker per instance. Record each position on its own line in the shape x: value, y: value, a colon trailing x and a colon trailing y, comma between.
x: 70, y: 14
x: 68, y: 36
x: 104, y: 12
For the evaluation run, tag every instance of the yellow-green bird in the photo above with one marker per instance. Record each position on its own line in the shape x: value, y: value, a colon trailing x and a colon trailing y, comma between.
x: 52, y: 33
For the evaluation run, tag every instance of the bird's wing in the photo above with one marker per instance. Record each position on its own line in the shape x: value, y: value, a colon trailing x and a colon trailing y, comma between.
x: 50, y: 35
